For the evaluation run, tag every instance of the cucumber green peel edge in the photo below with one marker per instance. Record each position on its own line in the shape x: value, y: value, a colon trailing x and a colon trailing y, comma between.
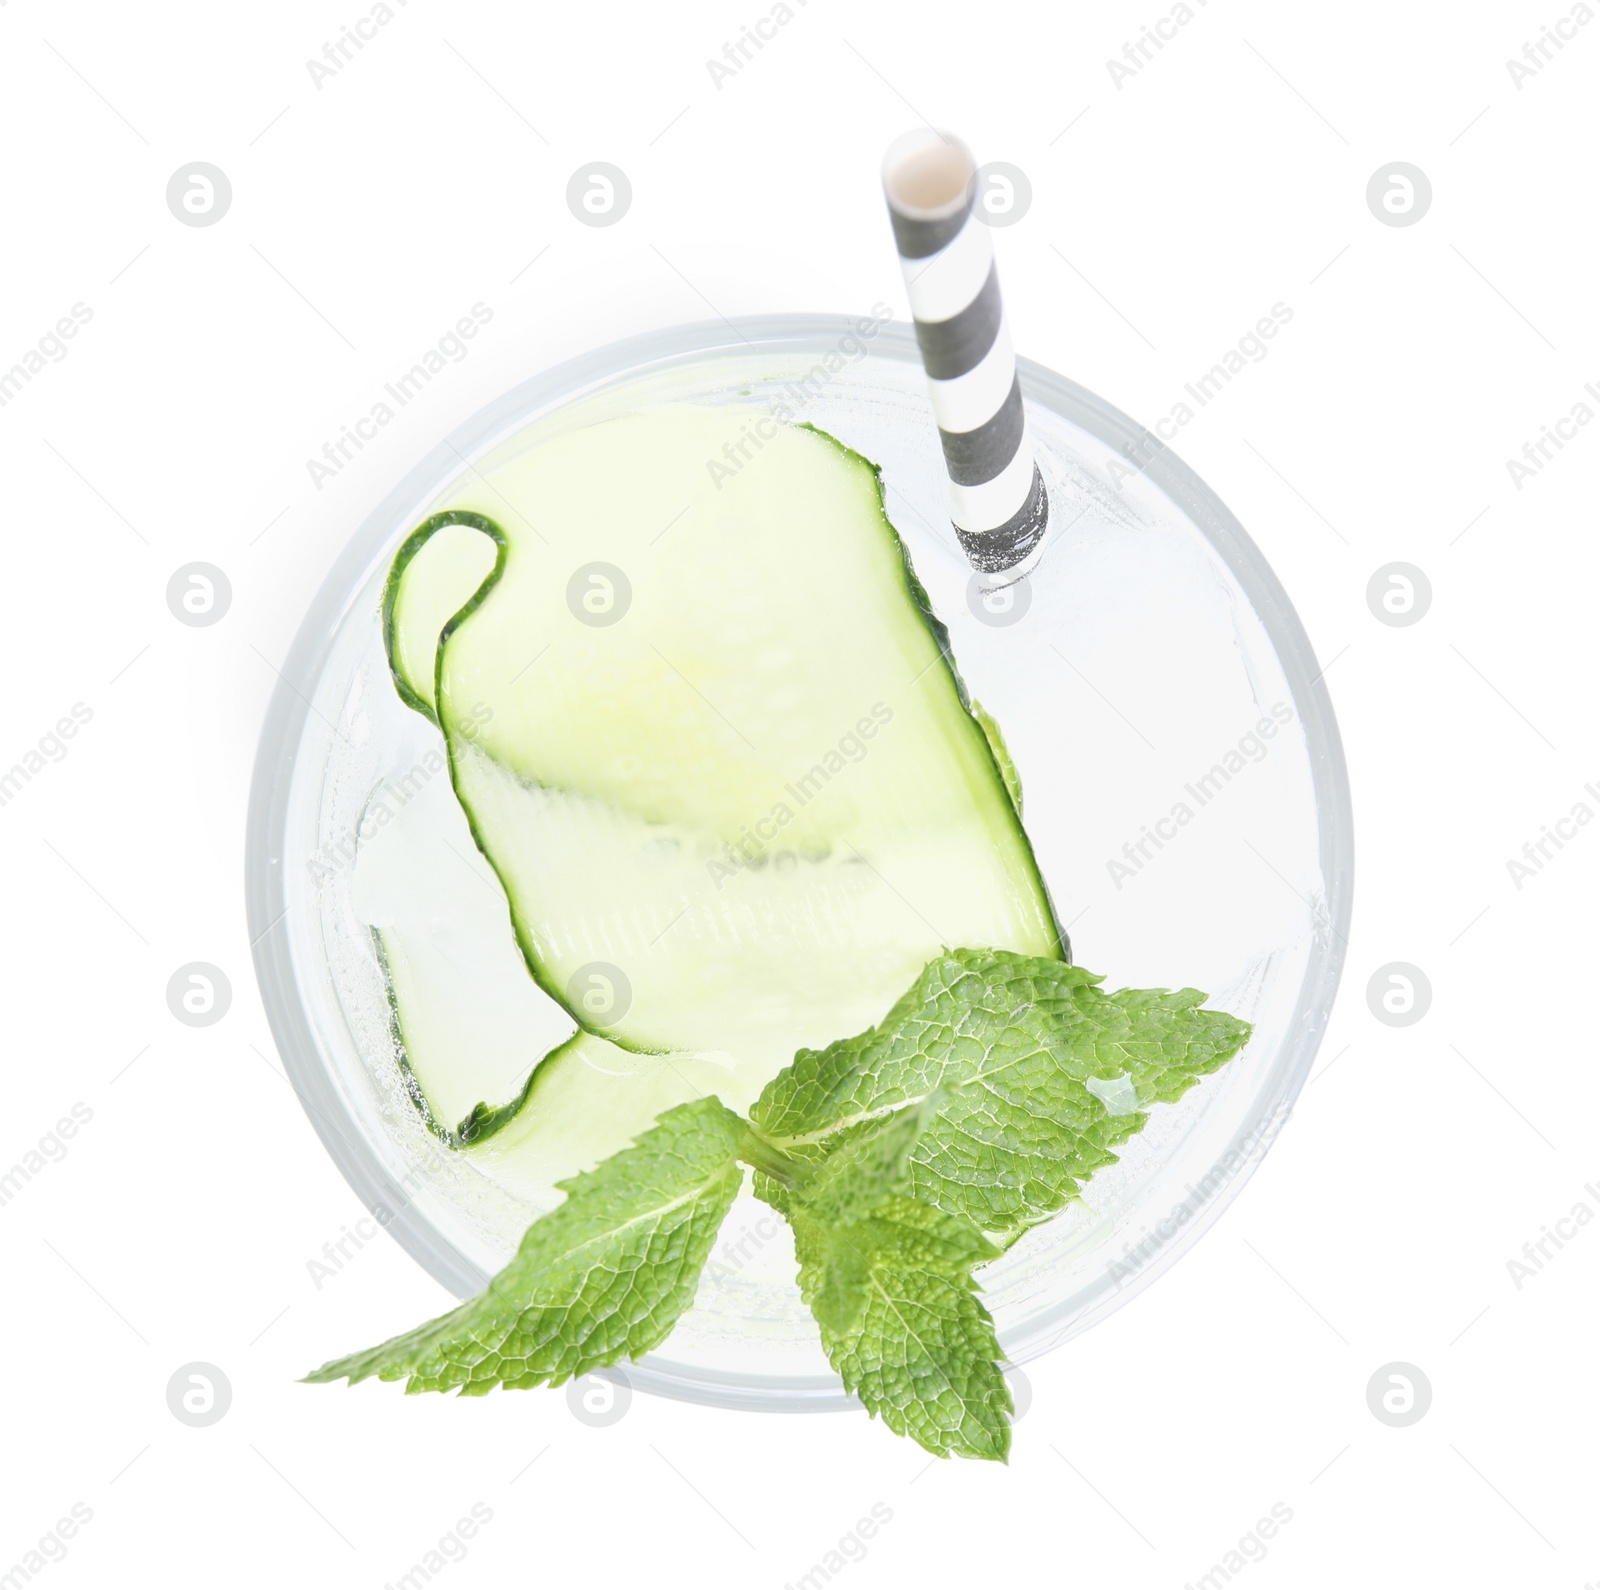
x: 409, y: 548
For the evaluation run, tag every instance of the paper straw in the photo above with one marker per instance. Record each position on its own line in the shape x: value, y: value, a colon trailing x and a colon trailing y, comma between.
x: 997, y: 496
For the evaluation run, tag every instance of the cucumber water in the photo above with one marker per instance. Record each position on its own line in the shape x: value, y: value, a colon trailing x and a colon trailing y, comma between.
x: 718, y: 789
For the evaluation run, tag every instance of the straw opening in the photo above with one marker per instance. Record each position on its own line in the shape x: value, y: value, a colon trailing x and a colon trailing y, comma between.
x: 927, y: 175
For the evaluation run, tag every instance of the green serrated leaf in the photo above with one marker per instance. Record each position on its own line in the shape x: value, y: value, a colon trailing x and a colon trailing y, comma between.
x: 896, y: 1305
x: 602, y: 1277
x: 856, y: 1171
x: 832, y: 1188
x: 1039, y: 1074
x: 889, y: 1281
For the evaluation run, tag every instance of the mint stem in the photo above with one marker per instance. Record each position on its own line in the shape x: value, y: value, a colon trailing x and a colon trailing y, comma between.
x: 757, y: 1152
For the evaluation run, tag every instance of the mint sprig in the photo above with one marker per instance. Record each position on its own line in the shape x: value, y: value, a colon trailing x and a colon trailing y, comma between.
x: 902, y: 1158
x: 603, y: 1277
x: 1010, y: 1046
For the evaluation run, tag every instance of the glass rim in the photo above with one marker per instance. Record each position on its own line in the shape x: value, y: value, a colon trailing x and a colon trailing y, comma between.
x: 289, y: 708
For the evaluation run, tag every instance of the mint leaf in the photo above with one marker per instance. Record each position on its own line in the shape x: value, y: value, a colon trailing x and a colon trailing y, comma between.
x: 856, y: 1171
x: 1038, y: 1073
x: 901, y: 1323
x: 889, y: 1281
x: 603, y: 1276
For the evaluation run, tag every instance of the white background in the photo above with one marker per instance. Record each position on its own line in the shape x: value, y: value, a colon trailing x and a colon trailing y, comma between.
x: 1169, y: 214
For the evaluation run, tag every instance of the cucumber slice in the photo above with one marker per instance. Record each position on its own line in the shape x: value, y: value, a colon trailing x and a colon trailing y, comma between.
x: 472, y: 1028
x: 741, y: 784
x: 469, y: 1023
x: 587, y: 1100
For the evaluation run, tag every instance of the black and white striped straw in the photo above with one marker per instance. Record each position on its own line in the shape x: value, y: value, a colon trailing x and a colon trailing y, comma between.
x: 998, y: 501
